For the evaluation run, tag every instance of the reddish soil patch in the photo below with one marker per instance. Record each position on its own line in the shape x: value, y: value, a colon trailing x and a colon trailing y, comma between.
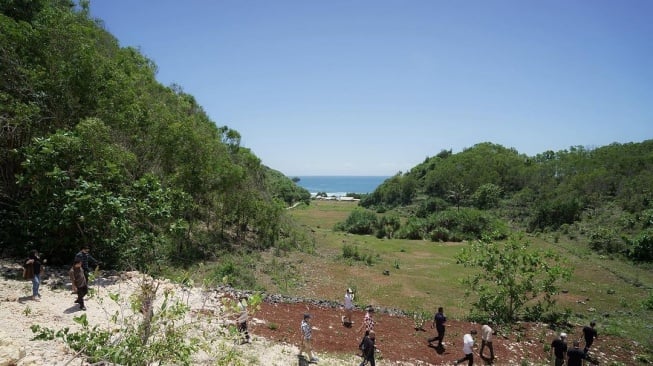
x: 398, y: 340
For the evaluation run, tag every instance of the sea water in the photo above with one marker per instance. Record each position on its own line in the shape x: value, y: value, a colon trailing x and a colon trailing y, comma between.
x: 340, y: 185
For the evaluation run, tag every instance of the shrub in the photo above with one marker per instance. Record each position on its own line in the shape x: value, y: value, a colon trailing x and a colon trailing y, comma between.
x: 360, y: 221
x: 233, y: 273
x: 467, y: 224
x: 350, y: 251
x: 605, y: 240
x: 413, y: 229
x: 641, y: 247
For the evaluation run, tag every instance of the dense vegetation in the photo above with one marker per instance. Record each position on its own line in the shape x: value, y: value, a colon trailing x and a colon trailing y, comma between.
x: 94, y: 150
x: 603, y: 195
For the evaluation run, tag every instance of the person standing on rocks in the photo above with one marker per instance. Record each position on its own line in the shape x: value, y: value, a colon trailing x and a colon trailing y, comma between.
x: 468, y: 344
x: 77, y: 274
x: 307, y: 339
x: 33, y: 268
x: 349, y: 307
x: 87, y: 261
x: 438, y: 323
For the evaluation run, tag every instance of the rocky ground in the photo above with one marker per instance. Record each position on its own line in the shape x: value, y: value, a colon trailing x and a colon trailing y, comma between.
x: 275, y: 328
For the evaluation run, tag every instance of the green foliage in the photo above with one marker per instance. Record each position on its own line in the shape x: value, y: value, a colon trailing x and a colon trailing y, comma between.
x: 352, y: 252
x: 487, y: 196
x: 606, y: 240
x: 286, y: 189
x: 94, y: 150
x: 454, y: 225
x: 430, y: 206
x: 360, y: 221
x: 387, y: 226
x: 397, y: 190
x: 235, y: 271
x: 641, y: 247
x: 513, y: 281
x: 555, y: 213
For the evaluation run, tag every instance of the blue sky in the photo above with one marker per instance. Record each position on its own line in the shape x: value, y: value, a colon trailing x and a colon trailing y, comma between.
x: 357, y: 87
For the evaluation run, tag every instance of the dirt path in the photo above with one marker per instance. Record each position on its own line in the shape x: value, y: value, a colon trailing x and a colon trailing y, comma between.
x: 275, y: 328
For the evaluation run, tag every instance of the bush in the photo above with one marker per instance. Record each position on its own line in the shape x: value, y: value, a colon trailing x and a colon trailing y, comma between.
x: 413, y: 229
x: 466, y: 224
x: 641, y: 248
x: 350, y: 251
x: 360, y: 221
x: 234, y: 273
x: 605, y: 240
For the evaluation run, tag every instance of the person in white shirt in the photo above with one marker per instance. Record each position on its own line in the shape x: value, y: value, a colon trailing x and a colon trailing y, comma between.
x: 468, y: 344
x: 486, y: 340
x: 349, y: 307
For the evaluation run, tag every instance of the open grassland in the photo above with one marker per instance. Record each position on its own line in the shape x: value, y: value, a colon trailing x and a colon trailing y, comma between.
x: 424, y: 275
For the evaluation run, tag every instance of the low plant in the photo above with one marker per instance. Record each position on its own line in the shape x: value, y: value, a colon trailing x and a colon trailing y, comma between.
x: 648, y: 302
x: 149, y: 334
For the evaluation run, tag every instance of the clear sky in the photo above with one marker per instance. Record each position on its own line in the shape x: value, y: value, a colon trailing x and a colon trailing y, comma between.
x: 373, y: 87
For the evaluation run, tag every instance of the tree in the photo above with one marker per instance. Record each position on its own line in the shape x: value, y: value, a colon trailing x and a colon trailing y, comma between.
x: 512, y: 281
x: 487, y: 196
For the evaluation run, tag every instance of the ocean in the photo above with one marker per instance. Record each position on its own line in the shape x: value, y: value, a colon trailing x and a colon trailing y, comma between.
x: 340, y: 185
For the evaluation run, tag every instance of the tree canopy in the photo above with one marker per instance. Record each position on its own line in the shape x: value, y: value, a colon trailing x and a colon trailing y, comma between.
x: 93, y: 150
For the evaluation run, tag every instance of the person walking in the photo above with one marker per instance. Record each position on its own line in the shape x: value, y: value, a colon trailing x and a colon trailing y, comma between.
x: 368, y: 321
x: 438, y: 323
x: 486, y: 340
x: 88, y: 261
x: 559, y: 349
x: 242, y: 318
x: 307, y: 339
x: 33, y: 268
x: 575, y: 356
x: 590, y: 334
x: 349, y: 307
x: 77, y: 274
x: 369, y: 349
x: 468, y: 345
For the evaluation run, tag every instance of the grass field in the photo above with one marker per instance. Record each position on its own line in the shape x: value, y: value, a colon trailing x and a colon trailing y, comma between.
x: 424, y: 275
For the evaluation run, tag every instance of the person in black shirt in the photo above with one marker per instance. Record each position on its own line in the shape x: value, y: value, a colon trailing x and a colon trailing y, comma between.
x: 589, y: 333
x: 86, y: 258
x: 438, y: 323
x: 368, y: 349
x: 559, y: 348
x: 575, y: 356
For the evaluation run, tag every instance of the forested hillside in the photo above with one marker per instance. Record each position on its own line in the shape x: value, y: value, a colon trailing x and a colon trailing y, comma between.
x: 602, y: 195
x: 93, y: 150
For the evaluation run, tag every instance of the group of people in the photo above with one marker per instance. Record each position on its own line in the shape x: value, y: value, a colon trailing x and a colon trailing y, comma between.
x: 33, y: 269
x: 468, y: 345
x: 575, y: 355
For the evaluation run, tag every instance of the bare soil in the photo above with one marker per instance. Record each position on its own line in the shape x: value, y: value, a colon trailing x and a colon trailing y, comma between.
x: 399, y: 341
